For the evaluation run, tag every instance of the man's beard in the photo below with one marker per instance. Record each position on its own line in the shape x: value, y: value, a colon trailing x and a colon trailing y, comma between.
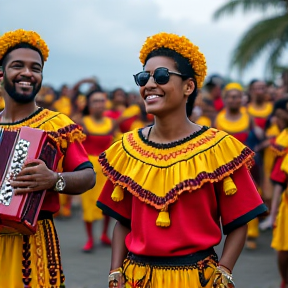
x: 17, y: 97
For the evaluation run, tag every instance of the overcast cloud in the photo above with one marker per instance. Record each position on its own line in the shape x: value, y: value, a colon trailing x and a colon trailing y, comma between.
x: 103, y: 38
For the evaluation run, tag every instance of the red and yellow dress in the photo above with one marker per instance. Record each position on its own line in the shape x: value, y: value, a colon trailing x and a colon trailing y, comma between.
x: 239, y: 129
x: 174, y: 198
x: 34, y: 261
x: 99, y: 138
x: 130, y: 119
x: 280, y: 176
x: 260, y: 115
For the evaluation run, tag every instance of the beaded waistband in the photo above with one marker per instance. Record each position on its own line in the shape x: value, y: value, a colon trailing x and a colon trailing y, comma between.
x: 186, y: 260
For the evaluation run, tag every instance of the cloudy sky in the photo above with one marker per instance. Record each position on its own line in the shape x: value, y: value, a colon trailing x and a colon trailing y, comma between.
x: 102, y: 38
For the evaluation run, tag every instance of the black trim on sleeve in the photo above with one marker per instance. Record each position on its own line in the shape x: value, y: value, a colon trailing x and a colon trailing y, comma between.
x: 283, y: 185
x: 83, y: 166
x: 244, y: 219
x: 108, y: 211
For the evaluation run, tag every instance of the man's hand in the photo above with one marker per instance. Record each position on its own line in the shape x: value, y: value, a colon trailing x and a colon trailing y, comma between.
x: 34, y: 176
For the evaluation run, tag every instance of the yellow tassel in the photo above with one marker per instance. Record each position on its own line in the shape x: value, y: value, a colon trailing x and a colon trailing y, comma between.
x: 163, y: 219
x: 229, y: 186
x: 118, y: 194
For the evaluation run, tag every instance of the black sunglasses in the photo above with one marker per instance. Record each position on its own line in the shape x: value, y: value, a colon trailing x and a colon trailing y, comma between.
x: 161, y: 76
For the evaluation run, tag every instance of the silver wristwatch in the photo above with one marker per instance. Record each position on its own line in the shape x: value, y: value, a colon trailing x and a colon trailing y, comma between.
x: 60, y: 184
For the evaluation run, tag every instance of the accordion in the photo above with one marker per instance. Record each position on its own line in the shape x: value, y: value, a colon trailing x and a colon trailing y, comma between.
x: 19, y: 213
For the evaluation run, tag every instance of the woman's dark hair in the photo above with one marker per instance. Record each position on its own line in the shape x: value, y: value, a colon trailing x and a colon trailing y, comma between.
x: 4, y: 59
x: 184, y: 67
x: 86, y: 109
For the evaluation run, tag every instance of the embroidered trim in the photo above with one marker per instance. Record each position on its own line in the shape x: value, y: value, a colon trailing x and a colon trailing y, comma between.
x: 38, y: 111
x: 245, y: 158
x: 172, y: 144
x: 26, y: 271
x: 39, y: 253
x: 166, y: 157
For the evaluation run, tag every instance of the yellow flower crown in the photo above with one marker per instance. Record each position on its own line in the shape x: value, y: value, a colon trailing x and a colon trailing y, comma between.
x: 13, y: 38
x: 181, y: 45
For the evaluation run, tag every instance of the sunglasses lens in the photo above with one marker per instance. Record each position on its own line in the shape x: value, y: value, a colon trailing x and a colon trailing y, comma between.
x: 161, y: 76
x: 142, y: 78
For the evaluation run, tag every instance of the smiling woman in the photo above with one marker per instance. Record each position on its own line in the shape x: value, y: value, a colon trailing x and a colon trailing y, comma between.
x: 172, y: 185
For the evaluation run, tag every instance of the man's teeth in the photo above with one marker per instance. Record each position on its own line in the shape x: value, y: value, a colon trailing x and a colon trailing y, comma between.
x: 152, y: 97
x: 27, y: 84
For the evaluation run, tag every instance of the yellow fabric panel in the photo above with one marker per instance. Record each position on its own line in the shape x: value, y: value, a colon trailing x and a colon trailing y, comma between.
x: 63, y: 105
x: 204, y: 121
x: 2, y: 103
x: 253, y: 228
x: 280, y: 232
x: 137, y: 124
x: 186, y: 277
x: 280, y: 147
x: 272, y: 131
x: 284, y: 165
x: 11, y: 249
x: 131, y: 111
x: 90, y: 211
x: 282, y: 139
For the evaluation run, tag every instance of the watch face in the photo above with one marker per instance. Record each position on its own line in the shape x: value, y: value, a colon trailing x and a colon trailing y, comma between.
x: 60, y: 184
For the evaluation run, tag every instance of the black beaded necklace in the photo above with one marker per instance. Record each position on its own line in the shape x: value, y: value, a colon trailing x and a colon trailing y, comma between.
x: 171, y: 144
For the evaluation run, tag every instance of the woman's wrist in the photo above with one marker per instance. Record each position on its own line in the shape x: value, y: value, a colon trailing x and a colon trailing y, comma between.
x: 227, y: 269
x: 119, y: 269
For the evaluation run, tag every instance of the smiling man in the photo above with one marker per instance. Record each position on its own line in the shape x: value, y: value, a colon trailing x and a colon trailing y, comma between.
x: 34, y: 261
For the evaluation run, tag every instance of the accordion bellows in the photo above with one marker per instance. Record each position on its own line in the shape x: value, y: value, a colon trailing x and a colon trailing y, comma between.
x: 19, y: 213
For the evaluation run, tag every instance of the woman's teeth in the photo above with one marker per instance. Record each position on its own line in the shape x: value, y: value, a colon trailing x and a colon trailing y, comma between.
x: 152, y: 97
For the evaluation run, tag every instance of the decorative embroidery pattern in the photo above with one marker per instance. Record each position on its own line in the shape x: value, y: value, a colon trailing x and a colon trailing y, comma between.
x: 188, y: 185
x: 26, y: 271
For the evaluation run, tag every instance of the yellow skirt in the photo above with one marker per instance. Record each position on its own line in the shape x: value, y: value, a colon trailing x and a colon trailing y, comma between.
x: 31, y: 261
x: 280, y: 232
x: 90, y: 211
x: 143, y: 274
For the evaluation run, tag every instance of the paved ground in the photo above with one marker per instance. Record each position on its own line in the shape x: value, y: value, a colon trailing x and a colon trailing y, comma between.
x: 256, y: 269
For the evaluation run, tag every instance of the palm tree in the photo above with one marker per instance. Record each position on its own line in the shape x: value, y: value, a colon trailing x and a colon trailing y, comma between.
x: 270, y: 34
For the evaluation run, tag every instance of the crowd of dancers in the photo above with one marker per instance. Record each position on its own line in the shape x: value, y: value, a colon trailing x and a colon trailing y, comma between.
x: 144, y: 162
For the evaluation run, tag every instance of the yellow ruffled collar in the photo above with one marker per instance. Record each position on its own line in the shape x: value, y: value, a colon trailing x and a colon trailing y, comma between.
x: 159, y: 175
x: 260, y: 113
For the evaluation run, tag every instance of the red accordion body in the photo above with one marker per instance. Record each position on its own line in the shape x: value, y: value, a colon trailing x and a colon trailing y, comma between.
x: 19, y: 213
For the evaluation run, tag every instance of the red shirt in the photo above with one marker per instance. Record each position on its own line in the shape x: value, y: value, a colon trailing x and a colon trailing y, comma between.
x: 196, y: 217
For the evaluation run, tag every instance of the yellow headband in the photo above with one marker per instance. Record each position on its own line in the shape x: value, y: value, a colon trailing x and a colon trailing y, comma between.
x: 233, y: 86
x: 181, y: 45
x: 13, y: 38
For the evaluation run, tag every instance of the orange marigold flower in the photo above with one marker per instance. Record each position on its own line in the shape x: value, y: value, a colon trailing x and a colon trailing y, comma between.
x: 13, y: 38
x: 181, y: 45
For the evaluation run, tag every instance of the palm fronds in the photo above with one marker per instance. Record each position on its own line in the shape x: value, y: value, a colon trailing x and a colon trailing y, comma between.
x: 269, y: 34
x: 249, y: 5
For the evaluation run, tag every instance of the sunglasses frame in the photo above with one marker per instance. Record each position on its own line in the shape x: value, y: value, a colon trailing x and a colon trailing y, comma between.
x: 152, y: 74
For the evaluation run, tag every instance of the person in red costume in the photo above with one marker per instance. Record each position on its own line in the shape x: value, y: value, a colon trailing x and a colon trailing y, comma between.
x: 100, y: 135
x: 172, y: 184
